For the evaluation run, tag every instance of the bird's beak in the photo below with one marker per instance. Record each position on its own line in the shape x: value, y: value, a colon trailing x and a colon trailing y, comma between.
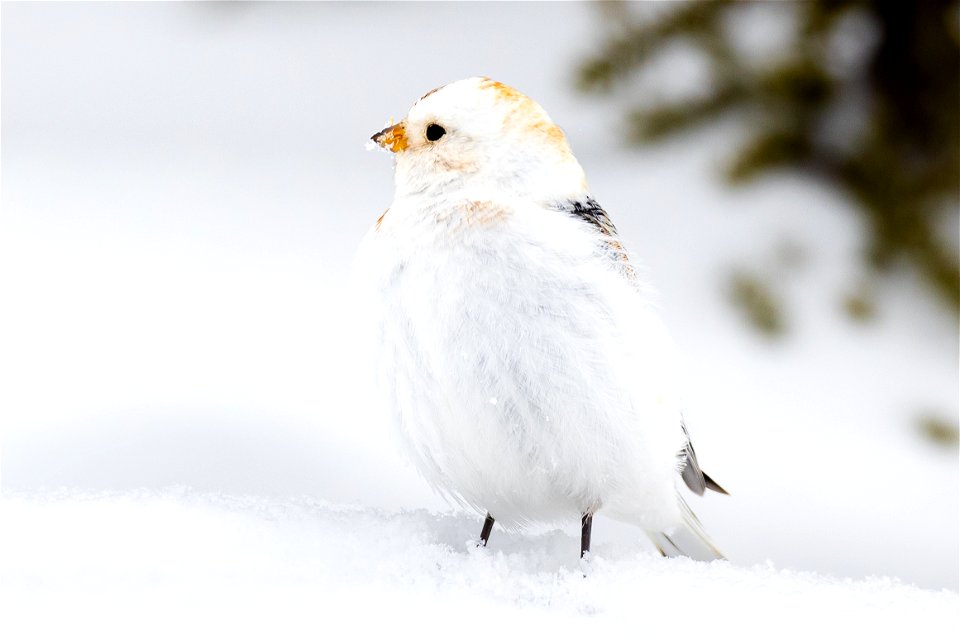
x: 393, y: 138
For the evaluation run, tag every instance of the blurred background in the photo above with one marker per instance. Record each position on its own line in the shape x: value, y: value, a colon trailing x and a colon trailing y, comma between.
x: 184, y: 186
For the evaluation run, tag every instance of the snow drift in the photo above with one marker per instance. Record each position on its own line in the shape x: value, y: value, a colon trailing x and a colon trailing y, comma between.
x: 185, y: 564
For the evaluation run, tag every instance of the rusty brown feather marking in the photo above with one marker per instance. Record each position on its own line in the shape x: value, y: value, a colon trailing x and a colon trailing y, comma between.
x: 623, y: 260
x: 482, y: 213
x: 505, y: 92
x: 380, y: 219
x: 527, y: 113
x: 453, y: 163
x: 431, y: 92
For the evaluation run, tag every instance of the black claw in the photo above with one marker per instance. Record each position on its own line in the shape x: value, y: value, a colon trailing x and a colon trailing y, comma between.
x: 485, y: 532
x: 586, y: 527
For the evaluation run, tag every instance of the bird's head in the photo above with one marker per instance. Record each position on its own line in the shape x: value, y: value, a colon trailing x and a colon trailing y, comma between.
x: 478, y: 135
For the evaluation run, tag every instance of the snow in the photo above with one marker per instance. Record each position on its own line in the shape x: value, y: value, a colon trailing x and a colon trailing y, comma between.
x: 184, y: 187
x: 177, y: 562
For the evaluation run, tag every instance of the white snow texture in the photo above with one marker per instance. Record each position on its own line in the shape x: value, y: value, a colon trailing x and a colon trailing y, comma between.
x: 181, y: 564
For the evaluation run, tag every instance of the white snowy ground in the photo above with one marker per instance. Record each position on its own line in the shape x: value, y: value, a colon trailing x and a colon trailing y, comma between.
x: 182, y: 564
x: 184, y: 186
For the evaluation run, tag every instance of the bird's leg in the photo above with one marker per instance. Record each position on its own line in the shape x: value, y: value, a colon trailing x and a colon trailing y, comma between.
x: 485, y: 532
x: 586, y: 526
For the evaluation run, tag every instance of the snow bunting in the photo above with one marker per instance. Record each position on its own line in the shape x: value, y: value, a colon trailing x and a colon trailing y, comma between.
x: 518, y: 352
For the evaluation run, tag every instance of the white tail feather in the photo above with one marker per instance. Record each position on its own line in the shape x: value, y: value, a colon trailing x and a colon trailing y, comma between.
x: 689, y: 539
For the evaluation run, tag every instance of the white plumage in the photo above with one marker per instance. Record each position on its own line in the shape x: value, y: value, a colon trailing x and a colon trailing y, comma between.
x: 517, y: 352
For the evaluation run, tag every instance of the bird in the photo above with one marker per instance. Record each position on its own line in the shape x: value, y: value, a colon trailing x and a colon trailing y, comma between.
x: 519, y: 352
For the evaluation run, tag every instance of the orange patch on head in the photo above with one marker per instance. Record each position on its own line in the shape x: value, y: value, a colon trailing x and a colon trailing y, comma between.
x: 527, y: 113
x: 504, y: 92
x: 551, y: 131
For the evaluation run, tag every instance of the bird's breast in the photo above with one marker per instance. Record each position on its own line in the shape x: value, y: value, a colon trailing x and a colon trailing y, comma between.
x: 512, y: 352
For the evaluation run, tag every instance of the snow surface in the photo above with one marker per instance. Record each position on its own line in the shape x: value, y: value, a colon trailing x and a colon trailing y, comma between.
x: 185, y: 564
x: 184, y: 187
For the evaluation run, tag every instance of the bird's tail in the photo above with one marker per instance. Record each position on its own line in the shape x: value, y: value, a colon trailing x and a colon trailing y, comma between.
x: 689, y: 539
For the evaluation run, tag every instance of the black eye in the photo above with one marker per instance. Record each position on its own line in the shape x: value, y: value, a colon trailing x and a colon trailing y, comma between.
x: 435, y: 132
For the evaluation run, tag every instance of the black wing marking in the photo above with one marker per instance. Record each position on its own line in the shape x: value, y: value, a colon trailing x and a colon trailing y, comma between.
x: 691, y: 473
x: 590, y: 211
x: 713, y: 486
x: 593, y: 214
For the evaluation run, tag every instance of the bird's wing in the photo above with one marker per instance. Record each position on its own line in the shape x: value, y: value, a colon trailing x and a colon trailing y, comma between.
x: 692, y: 474
x: 592, y: 213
